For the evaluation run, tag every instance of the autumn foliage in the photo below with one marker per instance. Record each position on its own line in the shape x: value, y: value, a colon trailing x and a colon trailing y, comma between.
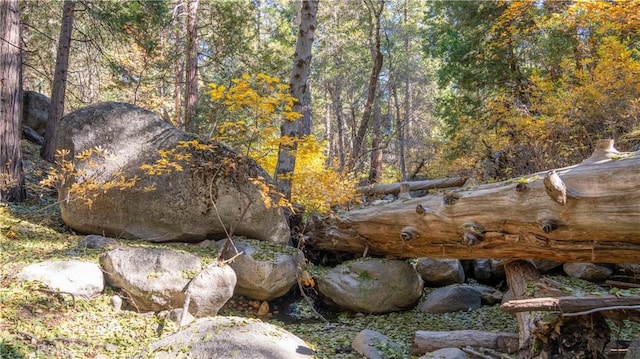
x: 571, y: 76
x: 250, y: 111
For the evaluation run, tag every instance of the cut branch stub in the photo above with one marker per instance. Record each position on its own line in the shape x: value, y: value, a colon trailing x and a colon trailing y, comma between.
x: 604, y: 150
x: 472, y: 233
x: 404, y: 191
x: 556, y: 189
x: 549, y: 225
x: 451, y: 198
x: 409, y: 233
x: 422, y: 210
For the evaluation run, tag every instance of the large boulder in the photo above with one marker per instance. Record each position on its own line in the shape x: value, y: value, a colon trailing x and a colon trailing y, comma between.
x: 265, y: 271
x: 371, y: 286
x: 229, y: 337
x: 201, y: 191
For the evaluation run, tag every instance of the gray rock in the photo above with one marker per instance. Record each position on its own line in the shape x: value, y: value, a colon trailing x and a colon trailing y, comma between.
x: 35, y: 111
x: 265, y: 271
x: 202, y: 201
x: 488, y: 295
x: 587, y: 271
x: 94, y: 241
x: 374, y: 345
x: 371, y: 286
x: 154, y: 279
x: 440, y: 272
x: 452, y: 298
x: 229, y: 337
x: 446, y: 353
x: 82, y: 279
x: 211, y: 289
x: 487, y: 271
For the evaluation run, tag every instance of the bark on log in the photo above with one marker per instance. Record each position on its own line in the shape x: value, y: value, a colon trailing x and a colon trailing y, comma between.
x: 427, y: 341
x: 570, y: 305
x: 395, y: 188
x: 596, y: 222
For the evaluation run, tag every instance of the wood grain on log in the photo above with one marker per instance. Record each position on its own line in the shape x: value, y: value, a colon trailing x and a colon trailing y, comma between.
x: 600, y: 221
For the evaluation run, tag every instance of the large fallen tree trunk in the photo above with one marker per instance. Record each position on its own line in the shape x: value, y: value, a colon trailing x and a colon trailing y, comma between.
x: 589, y: 212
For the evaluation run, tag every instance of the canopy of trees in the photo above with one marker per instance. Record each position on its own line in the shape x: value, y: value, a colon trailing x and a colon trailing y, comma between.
x: 397, y: 89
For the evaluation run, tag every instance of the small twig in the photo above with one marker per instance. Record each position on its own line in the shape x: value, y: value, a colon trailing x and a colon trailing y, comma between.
x: 58, y: 293
x: 595, y: 310
x: 497, y: 353
x: 229, y: 260
x: 476, y: 353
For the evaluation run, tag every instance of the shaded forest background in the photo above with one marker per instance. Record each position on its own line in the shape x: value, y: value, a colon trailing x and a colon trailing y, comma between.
x: 489, y: 89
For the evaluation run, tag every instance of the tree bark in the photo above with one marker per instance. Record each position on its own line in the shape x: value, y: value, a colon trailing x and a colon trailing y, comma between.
x: 519, y: 218
x: 519, y: 274
x: 375, y: 8
x: 428, y: 341
x: 48, y: 150
x: 299, y: 90
x: 12, y: 187
x: 191, y: 85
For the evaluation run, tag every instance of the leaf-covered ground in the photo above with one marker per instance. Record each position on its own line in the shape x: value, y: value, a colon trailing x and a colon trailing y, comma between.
x: 39, y: 323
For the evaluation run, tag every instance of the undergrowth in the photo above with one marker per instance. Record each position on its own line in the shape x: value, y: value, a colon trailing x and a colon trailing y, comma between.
x: 40, y: 323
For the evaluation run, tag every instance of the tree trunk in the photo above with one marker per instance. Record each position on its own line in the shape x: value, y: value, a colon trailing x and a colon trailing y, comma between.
x: 335, y: 92
x: 11, y: 175
x: 191, y: 86
x: 583, y: 213
x: 375, y: 167
x: 375, y: 8
x: 299, y: 89
x: 48, y: 151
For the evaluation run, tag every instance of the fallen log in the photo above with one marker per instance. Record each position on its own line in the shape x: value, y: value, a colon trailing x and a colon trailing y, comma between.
x: 395, y: 188
x: 571, y: 306
x: 588, y: 212
x: 428, y: 341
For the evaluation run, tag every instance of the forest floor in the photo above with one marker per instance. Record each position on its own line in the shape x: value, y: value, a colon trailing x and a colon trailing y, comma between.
x: 36, y: 323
